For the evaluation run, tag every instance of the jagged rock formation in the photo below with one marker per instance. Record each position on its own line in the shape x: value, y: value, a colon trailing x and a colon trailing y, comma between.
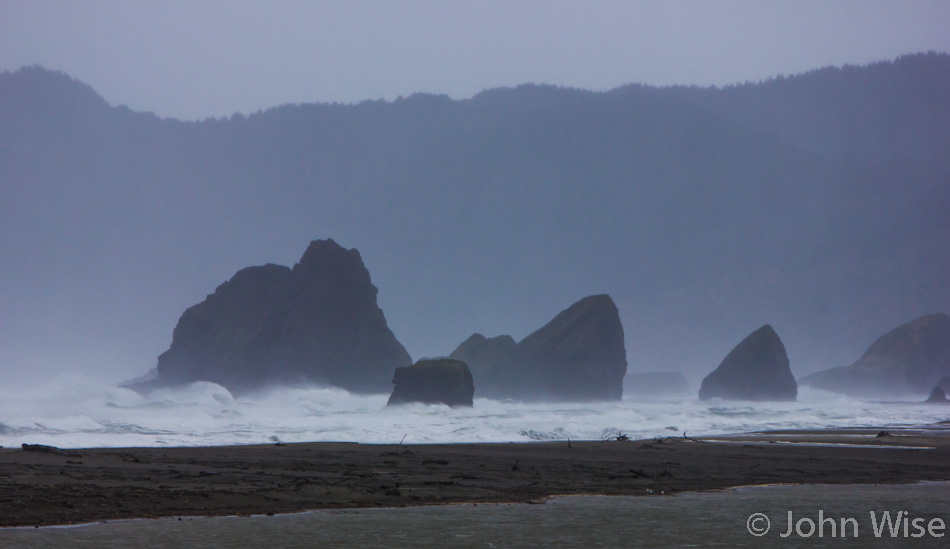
x: 937, y: 395
x: 577, y: 356
x: 654, y: 384
x: 318, y: 322
x: 756, y: 369
x: 908, y: 360
x: 480, y: 352
x: 436, y: 381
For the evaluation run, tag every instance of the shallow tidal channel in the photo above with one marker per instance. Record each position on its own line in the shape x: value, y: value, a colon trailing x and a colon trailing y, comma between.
x: 732, y: 518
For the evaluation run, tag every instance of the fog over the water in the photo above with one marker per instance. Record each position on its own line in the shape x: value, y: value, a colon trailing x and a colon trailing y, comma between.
x: 489, y: 212
x: 78, y: 412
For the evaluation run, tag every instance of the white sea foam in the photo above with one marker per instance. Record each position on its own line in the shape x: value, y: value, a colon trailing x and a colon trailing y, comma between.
x: 75, y: 412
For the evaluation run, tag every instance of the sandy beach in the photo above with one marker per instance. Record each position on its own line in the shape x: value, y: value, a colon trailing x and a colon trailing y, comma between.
x: 42, y: 488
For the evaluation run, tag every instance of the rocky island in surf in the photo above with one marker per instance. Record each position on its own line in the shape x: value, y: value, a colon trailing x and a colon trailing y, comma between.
x: 577, y: 356
x: 756, y: 369
x: 433, y: 381
x: 317, y: 322
x: 937, y: 396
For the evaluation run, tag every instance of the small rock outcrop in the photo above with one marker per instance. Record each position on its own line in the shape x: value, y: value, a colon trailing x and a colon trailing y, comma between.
x: 904, y: 361
x: 315, y: 323
x: 577, y: 356
x: 654, y: 384
x: 756, y: 369
x: 937, y: 395
x: 435, y: 381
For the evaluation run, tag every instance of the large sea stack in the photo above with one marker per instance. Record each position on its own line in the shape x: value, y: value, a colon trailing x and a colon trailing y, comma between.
x: 315, y: 323
x: 908, y: 360
x: 577, y: 356
x: 435, y: 381
x: 756, y: 369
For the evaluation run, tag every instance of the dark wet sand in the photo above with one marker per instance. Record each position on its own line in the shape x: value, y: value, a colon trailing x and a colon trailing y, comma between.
x: 104, y: 484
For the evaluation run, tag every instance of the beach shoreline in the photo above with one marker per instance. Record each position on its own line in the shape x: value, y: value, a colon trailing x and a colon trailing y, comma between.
x: 100, y: 484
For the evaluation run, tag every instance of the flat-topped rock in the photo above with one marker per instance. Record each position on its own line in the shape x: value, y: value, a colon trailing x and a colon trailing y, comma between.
x: 433, y: 381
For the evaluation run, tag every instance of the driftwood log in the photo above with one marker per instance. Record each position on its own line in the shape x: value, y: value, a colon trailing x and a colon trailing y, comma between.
x: 48, y: 450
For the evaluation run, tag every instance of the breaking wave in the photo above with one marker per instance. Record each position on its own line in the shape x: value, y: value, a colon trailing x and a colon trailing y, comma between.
x: 75, y: 412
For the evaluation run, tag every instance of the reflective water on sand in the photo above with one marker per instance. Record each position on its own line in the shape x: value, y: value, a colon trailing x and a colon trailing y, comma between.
x: 712, y: 519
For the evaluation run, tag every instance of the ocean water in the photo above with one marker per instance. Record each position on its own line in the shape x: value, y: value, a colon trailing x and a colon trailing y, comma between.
x: 76, y: 412
x: 711, y: 519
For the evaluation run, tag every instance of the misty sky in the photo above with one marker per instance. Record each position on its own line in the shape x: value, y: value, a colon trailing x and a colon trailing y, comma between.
x: 191, y: 59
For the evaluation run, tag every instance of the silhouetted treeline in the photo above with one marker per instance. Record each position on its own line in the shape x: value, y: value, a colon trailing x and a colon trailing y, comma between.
x: 817, y: 203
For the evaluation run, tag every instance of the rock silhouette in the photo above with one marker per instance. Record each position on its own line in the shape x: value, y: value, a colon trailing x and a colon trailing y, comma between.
x: 908, y: 360
x: 937, y: 395
x: 315, y: 323
x: 436, y: 381
x: 577, y: 356
x: 481, y: 352
x: 756, y: 369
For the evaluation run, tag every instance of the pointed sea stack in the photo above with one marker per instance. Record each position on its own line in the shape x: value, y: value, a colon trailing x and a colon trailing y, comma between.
x: 756, y: 369
x: 937, y: 396
x: 437, y: 381
x: 316, y: 323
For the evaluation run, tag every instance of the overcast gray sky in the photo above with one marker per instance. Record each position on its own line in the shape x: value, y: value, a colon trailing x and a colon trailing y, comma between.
x: 192, y: 59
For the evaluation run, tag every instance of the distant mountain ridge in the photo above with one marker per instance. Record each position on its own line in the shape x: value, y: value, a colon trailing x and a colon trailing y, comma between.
x: 906, y: 96
x: 816, y: 201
